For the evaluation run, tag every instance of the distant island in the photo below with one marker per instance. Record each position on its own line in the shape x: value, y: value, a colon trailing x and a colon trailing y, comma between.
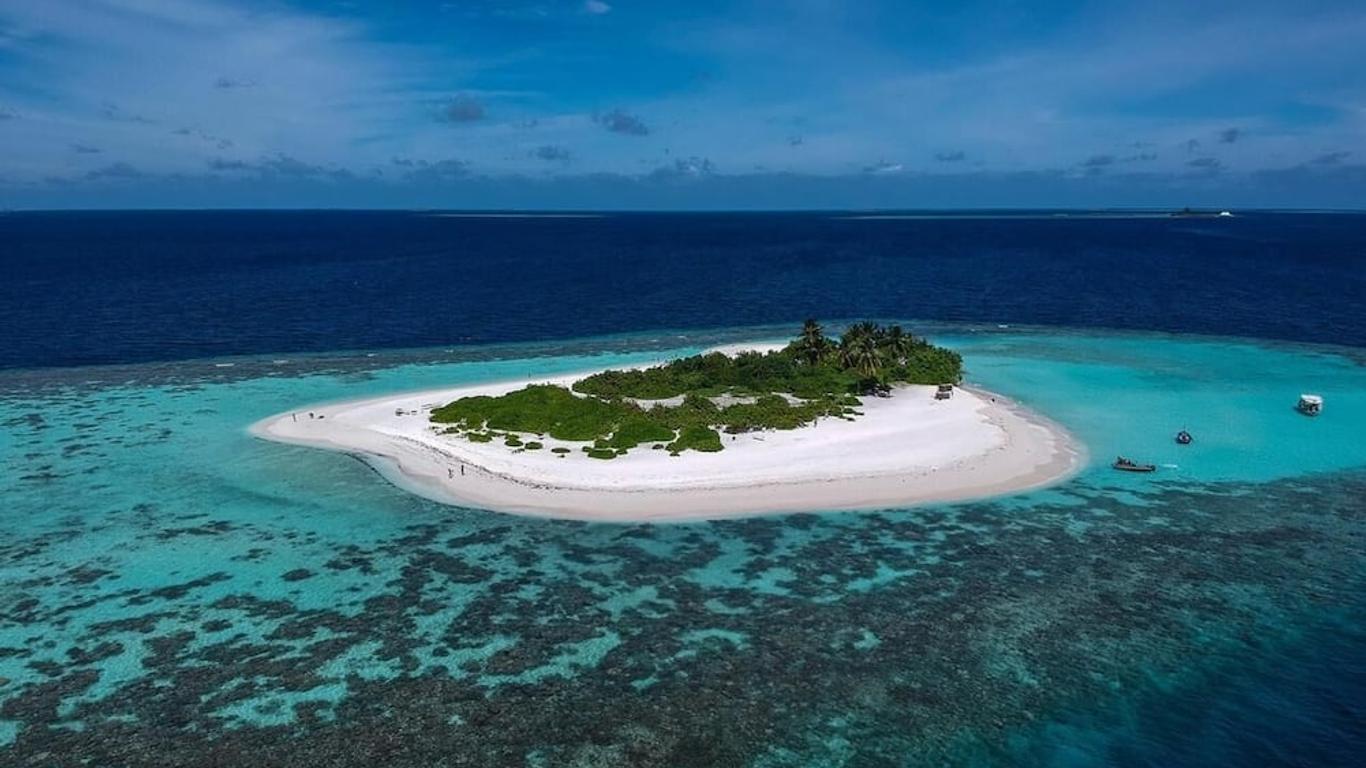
x: 687, y: 403
x: 1191, y: 213
x: 877, y: 417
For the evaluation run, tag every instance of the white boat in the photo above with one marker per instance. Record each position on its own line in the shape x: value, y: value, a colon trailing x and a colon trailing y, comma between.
x: 1310, y: 405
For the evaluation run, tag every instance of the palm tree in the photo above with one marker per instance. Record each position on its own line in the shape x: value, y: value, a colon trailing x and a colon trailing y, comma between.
x: 867, y: 328
x: 858, y: 351
x: 898, y: 343
x: 812, y: 345
x: 857, y: 331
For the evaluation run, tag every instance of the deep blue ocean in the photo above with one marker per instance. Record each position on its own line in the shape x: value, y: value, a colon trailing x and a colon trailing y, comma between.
x: 176, y: 592
x: 89, y: 288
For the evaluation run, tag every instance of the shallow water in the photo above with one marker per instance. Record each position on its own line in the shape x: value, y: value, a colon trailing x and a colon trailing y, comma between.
x: 179, y: 592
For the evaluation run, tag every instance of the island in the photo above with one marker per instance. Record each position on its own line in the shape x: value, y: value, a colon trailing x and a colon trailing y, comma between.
x: 1192, y: 213
x: 876, y: 418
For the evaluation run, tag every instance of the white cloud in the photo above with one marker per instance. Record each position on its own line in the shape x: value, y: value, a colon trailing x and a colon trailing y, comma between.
x: 165, y: 86
x: 317, y: 85
x: 1088, y: 88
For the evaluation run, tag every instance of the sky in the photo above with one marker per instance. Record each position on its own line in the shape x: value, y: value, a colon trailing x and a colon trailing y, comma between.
x: 626, y: 104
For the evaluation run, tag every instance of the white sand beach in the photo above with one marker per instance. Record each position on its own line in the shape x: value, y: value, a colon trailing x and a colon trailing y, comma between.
x: 905, y: 449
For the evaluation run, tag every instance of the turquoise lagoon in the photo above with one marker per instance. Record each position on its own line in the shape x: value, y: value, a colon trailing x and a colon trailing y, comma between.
x: 176, y: 590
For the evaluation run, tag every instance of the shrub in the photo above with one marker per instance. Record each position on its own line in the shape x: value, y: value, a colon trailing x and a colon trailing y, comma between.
x: 697, y: 438
x: 603, y: 414
x: 538, y: 409
x: 559, y: 449
x: 533, y: 446
x: 639, y: 428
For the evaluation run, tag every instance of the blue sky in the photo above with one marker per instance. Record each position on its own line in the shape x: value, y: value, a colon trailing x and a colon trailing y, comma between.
x: 633, y: 104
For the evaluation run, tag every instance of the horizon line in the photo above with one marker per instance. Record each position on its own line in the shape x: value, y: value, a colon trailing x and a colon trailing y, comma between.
x: 570, y: 212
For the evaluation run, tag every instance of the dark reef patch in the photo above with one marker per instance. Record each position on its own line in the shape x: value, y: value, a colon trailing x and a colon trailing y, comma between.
x: 908, y: 637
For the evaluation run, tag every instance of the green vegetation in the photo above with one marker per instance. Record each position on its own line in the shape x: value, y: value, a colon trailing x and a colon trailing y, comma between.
x: 637, y: 428
x: 867, y: 358
x: 814, y: 376
x: 696, y: 437
x: 540, y: 409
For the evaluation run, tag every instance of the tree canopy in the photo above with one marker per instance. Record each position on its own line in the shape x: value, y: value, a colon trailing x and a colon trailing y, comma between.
x: 810, y: 378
